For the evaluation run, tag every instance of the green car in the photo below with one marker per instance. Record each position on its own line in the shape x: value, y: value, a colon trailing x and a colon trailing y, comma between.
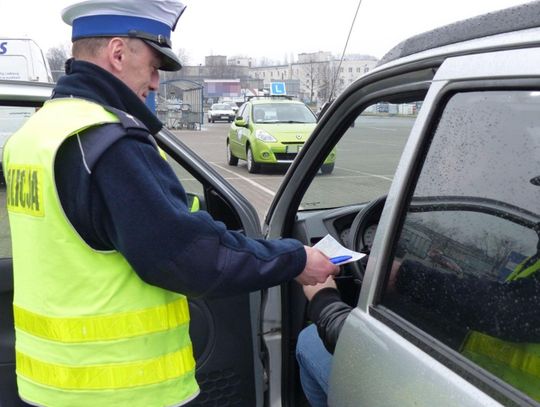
x: 271, y: 130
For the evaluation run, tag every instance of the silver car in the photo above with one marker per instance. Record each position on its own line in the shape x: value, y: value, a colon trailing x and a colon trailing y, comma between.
x: 440, y: 173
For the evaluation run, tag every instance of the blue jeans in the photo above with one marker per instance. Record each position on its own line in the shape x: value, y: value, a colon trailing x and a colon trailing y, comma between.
x: 315, y: 363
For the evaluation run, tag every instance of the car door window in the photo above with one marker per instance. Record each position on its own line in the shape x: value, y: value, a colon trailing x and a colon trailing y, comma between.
x: 467, y: 253
x: 366, y: 157
x: 191, y: 185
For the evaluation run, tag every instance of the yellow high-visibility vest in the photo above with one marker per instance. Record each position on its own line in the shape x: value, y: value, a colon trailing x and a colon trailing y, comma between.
x: 89, y: 331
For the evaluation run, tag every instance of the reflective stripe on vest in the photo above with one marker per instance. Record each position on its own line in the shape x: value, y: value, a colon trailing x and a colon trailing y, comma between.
x: 107, y: 377
x: 103, y: 327
x: 517, y: 363
x: 510, y: 353
x: 88, y: 328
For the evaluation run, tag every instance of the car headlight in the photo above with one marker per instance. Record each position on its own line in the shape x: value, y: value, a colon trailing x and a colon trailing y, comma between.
x: 263, y: 135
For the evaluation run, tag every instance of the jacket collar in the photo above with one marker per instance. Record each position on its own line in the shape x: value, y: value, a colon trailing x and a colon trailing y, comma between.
x: 89, y: 81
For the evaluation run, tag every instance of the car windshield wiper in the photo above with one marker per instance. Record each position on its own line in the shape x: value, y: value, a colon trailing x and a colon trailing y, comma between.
x: 292, y: 121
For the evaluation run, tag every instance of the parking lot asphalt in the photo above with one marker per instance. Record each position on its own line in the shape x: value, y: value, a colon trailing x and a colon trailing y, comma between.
x: 210, y: 142
x: 384, y: 143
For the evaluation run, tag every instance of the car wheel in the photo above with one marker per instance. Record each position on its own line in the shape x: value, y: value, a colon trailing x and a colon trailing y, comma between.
x: 327, y: 168
x: 252, y: 166
x: 231, y: 159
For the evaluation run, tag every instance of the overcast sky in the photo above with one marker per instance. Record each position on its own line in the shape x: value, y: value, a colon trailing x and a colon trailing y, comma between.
x: 275, y: 29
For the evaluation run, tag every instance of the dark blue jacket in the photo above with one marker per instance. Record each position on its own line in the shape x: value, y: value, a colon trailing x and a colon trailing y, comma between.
x: 121, y: 195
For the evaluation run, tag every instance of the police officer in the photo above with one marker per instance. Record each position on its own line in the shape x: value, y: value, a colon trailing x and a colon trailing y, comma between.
x: 105, y: 250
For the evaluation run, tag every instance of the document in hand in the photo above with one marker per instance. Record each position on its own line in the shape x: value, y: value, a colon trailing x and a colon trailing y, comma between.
x: 333, y: 249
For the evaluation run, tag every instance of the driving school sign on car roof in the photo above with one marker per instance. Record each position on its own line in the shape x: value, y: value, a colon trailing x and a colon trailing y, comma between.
x: 277, y: 88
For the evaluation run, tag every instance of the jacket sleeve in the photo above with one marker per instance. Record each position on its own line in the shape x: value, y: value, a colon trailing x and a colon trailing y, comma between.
x: 328, y: 312
x: 138, y: 206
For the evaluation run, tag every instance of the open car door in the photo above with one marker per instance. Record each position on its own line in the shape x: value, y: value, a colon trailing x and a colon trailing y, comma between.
x: 436, y: 168
x: 223, y: 331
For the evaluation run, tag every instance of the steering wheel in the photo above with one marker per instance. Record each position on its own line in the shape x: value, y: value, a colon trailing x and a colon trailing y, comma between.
x: 370, y: 214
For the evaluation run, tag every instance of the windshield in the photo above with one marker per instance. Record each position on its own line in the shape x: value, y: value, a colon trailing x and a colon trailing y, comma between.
x: 366, y: 157
x: 221, y: 107
x: 282, y: 113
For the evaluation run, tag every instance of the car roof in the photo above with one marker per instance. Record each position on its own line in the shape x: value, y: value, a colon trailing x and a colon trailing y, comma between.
x: 515, y: 18
x: 25, y: 91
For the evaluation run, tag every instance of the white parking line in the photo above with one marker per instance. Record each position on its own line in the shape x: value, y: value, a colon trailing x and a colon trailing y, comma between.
x: 370, y: 142
x: 264, y: 189
x: 380, y: 128
x: 366, y: 174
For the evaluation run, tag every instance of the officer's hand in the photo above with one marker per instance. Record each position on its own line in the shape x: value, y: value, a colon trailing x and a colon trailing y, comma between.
x: 317, y: 269
x: 311, y: 290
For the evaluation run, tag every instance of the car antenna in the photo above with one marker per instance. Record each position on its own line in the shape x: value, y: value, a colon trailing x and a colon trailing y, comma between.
x: 343, y: 55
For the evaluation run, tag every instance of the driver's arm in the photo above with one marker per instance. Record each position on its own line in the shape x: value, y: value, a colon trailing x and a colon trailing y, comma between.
x: 327, y: 311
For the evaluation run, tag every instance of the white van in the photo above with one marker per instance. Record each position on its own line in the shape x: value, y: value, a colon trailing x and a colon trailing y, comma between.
x: 22, y: 59
x: 25, y: 75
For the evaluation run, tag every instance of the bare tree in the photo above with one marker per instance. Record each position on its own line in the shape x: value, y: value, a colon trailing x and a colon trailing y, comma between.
x: 57, y: 57
x: 310, y: 72
x: 265, y: 61
x: 183, y: 56
x: 325, y: 77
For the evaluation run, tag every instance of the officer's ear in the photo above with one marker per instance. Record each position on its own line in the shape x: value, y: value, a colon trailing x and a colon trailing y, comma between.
x: 116, y: 52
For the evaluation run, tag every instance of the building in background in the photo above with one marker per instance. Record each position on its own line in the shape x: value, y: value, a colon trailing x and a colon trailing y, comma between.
x: 316, y: 77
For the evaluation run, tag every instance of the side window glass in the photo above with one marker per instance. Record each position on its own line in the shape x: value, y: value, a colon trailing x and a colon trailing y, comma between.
x: 241, y: 111
x: 362, y: 165
x: 467, y: 256
x: 245, y: 113
x: 191, y: 185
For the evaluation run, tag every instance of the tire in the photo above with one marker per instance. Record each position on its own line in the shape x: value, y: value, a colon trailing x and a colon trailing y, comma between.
x: 252, y: 166
x: 327, y: 168
x: 231, y: 159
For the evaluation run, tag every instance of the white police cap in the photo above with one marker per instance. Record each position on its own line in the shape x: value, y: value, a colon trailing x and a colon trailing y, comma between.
x: 150, y: 20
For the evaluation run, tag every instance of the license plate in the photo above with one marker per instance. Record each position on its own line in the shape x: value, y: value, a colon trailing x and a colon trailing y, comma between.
x: 293, y: 149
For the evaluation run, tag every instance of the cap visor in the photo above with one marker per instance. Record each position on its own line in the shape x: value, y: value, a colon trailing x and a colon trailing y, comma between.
x: 169, y: 60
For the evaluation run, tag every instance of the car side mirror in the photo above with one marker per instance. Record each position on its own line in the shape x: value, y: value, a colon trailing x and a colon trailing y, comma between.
x: 240, y: 122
